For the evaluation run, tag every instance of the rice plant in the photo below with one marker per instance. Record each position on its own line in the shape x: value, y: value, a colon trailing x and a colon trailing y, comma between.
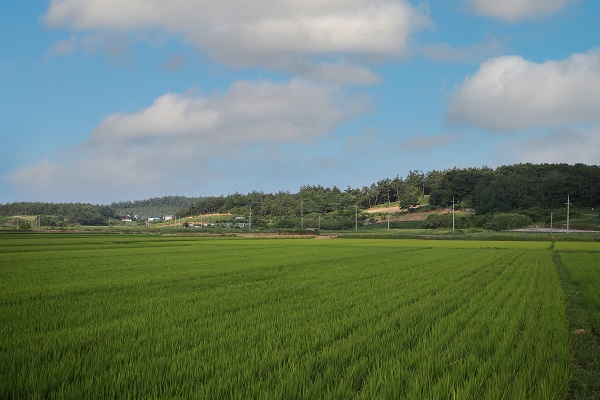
x: 115, y: 316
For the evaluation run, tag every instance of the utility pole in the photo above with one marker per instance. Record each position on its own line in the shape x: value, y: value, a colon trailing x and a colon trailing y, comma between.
x: 356, y: 219
x: 551, y: 228
x: 568, y: 203
x: 453, y: 202
x: 389, y: 210
x: 301, y: 215
x: 453, y: 215
x: 250, y: 220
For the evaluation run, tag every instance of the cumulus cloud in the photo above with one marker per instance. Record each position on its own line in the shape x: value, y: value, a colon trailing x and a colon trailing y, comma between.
x: 114, y: 46
x: 63, y: 47
x: 295, y: 111
x: 342, y: 73
x: 571, y: 146
x: 510, y: 94
x: 515, y: 10
x: 194, y: 137
x: 267, y: 33
x: 477, y: 52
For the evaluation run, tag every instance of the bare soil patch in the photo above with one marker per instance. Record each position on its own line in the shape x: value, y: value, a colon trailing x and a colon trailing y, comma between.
x: 404, y: 215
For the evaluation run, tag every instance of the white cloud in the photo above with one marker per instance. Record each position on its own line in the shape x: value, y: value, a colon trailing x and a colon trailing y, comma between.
x: 191, y: 136
x: 571, y: 146
x: 114, y: 46
x: 511, y: 94
x: 296, y: 111
x: 515, y: 10
x: 267, y: 33
x: 475, y: 53
x: 340, y: 73
x: 63, y: 47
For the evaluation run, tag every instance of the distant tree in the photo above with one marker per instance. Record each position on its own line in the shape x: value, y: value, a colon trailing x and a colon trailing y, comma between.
x: 409, y: 196
x: 433, y: 180
x: 416, y: 179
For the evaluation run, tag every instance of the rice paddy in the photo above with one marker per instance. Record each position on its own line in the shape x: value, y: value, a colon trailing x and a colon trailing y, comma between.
x: 143, y: 316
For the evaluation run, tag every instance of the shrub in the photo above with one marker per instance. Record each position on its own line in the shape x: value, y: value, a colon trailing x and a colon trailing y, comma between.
x: 339, y: 224
x: 435, y: 221
x: 259, y: 223
x: 506, y: 221
x: 461, y: 221
x: 286, y: 223
x: 537, y: 214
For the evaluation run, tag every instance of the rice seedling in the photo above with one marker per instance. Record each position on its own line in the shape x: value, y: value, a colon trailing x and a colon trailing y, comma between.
x: 113, y: 316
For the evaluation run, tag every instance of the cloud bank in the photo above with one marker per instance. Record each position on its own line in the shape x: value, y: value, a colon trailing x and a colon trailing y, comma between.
x: 516, y: 10
x: 268, y: 33
x: 572, y: 146
x: 197, y: 138
x: 512, y: 94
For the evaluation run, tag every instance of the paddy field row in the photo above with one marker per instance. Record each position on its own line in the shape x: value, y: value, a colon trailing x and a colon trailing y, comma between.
x: 113, y: 316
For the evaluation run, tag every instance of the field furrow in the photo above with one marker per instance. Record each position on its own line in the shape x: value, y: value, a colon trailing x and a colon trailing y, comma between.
x: 271, y: 318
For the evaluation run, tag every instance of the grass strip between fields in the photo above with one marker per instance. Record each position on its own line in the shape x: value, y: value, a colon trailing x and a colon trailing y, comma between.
x: 585, y: 346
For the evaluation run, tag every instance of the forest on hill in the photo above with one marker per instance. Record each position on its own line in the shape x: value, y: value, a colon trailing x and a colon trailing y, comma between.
x: 505, y: 189
x: 532, y: 190
x: 154, y: 206
x: 61, y: 214
x: 65, y: 214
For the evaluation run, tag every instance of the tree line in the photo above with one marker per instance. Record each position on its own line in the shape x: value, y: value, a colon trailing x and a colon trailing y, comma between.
x: 61, y: 214
x: 532, y: 189
x: 154, y: 206
x: 485, y: 190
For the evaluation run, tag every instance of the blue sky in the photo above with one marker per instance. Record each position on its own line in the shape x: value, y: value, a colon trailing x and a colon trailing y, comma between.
x: 109, y: 100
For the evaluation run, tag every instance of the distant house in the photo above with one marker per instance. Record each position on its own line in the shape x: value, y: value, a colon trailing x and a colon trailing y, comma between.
x: 168, y: 218
x: 240, y: 218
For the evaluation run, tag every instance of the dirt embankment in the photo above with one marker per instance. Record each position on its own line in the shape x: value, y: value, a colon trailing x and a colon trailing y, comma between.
x: 404, y: 215
x: 195, y: 219
x: 394, y: 209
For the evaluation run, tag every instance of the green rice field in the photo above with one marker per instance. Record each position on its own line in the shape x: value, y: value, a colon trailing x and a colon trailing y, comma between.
x: 87, y: 316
